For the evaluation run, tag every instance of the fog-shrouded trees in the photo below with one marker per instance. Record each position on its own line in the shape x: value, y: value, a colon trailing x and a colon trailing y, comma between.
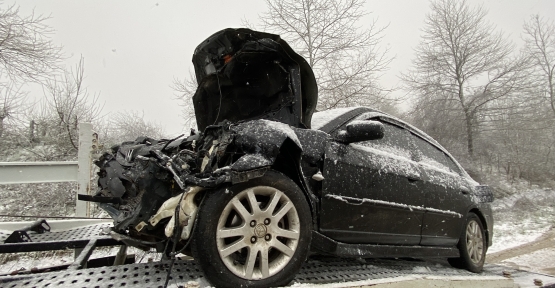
x: 49, y: 129
x: 539, y: 37
x: 127, y: 126
x: 68, y: 103
x: 463, y: 69
x: 485, y: 100
x: 345, y: 55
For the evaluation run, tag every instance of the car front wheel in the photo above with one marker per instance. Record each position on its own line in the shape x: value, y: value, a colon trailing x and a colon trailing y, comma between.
x: 472, y: 246
x: 254, y: 234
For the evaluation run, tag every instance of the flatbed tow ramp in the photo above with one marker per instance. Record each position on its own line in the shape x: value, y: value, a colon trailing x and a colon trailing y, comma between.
x: 320, y: 272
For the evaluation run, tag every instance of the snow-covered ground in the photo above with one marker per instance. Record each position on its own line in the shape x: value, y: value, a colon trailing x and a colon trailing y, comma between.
x: 540, y: 261
x: 524, y: 214
x: 522, y: 217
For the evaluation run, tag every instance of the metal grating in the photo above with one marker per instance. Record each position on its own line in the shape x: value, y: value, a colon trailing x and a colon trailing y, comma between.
x: 55, y: 240
x: 80, y: 233
x: 133, y: 275
x: 154, y: 274
x: 339, y: 270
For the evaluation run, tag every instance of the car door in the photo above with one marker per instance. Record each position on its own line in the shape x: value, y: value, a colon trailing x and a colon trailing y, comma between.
x: 446, y: 195
x: 368, y: 195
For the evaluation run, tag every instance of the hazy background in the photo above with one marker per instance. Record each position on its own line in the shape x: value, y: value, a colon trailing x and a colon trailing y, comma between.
x: 134, y: 49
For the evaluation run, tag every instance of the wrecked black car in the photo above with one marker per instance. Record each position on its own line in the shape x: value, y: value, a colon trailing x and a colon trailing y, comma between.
x: 267, y: 182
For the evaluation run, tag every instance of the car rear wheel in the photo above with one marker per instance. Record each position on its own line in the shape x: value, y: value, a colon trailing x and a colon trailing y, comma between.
x: 472, y: 246
x: 254, y: 234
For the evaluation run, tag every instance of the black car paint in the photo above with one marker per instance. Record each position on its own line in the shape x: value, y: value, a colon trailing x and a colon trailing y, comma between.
x: 387, y: 223
x: 348, y: 174
x: 360, y: 209
x: 244, y: 75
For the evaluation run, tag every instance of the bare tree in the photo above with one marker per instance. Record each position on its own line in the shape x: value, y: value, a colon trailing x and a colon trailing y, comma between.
x: 128, y: 125
x: 68, y: 103
x: 25, y: 48
x: 12, y: 104
x: 345, y: 57
x: 462, y: 60
x: 185, y: 89
x: 539, y: 36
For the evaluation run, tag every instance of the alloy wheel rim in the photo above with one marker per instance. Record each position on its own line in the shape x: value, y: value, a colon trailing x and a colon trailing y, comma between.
x: 474, y: 241
x: 258, y: 232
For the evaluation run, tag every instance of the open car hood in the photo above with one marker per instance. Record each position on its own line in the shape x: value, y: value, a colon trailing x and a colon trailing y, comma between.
x: 246, y: 75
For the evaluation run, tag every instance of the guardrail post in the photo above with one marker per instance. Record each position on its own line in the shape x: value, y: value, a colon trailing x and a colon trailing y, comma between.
x: 84, y: 161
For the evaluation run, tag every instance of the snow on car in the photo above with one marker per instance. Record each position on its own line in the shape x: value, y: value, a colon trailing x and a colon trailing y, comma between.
x: 258, y: 190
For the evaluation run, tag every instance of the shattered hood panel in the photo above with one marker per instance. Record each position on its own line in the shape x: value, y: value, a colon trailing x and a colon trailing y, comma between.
x: 245, y: 75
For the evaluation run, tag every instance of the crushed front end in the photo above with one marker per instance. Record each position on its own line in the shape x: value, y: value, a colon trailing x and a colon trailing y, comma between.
x: 253, y: 90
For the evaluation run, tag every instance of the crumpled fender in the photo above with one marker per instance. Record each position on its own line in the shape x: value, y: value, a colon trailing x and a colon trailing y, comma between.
x: 261, y: 141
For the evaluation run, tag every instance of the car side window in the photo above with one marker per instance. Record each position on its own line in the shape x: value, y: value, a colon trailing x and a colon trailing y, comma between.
x: 454, y: 167
x: 396, y: 141
x: 431, y: 155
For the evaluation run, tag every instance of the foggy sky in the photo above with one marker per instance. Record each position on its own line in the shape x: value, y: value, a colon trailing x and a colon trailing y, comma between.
x: 134, y: 49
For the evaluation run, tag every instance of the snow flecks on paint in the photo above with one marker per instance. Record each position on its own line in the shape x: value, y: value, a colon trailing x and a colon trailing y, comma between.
x: 360, y: 201
x: 388, y: 162
x: 389, y: 149
x: 255, y: 160
x: 266, y: 132
x: 442, y: 177
x: 283, y: 128
x: 431, y: 162
x: 449, y: 212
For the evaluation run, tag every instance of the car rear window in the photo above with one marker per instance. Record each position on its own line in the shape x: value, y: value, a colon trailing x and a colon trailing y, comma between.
x: 433, y: 156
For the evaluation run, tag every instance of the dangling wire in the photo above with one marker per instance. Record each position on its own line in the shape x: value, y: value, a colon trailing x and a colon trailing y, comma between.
x: 177, y: 239
x: 177, y: 236
x: 221, y: 96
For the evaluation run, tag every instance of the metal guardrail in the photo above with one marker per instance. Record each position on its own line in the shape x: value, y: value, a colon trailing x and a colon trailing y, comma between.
x: 48, y: 172
x: 38, y: 172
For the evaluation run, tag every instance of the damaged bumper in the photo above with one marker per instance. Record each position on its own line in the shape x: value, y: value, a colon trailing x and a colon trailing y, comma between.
x: 153, y: 188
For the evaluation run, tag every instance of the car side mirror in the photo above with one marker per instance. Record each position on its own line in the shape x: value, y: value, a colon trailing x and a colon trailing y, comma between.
x: 361, y: 130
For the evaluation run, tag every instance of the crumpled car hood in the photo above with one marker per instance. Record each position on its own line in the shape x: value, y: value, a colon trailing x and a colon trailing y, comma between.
x: 244, y: 75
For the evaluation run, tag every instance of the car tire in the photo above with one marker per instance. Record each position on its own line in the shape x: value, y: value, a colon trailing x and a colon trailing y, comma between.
x: 472, y: 246
x: 268, y: 215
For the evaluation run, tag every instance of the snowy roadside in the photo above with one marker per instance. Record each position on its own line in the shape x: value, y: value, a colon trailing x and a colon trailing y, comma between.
x: 522, y: 218
x: 540, y: 261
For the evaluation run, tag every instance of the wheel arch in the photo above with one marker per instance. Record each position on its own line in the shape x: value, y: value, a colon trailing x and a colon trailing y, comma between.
x: 279, y: 144
x: 288, y: 162
x: 482, y: 218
